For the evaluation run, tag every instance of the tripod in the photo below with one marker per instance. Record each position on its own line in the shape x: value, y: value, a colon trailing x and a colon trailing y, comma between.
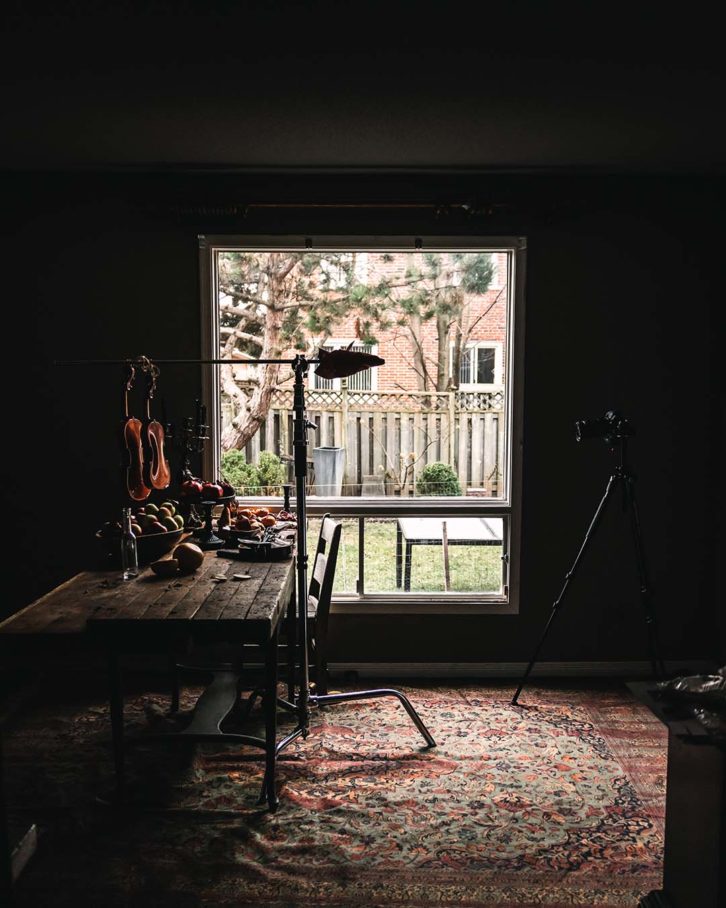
x: 621, y: 476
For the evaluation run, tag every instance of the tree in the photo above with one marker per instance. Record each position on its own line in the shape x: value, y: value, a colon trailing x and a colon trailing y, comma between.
x: 270, y: 302
x: 435, y: 287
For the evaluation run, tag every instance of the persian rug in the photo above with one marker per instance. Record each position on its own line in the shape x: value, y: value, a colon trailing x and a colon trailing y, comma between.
x: 556, y: 802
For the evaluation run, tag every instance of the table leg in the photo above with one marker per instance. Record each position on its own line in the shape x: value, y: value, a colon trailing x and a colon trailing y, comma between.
x: 271, y: 720
x: 407, y: 568
x: 117, y: 721
x: 291, y: 647
x: 399, y: 555
x: 6, y: 874
x: 175, y: 684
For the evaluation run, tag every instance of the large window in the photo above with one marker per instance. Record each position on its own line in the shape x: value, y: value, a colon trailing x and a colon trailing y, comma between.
x: 419, y: 457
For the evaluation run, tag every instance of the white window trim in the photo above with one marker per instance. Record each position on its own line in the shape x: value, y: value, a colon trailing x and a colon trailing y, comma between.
x: 496, y: 385
x: 509, y: 506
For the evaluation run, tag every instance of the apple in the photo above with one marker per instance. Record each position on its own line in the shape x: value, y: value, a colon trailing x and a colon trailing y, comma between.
x: 191, y: 487
x: 210, y: 491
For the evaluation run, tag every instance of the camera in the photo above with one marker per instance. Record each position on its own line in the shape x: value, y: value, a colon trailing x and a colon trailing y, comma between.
x: 613, y: 426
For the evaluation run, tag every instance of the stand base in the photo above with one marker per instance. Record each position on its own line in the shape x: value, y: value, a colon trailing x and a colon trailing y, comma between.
x: 207, y: 543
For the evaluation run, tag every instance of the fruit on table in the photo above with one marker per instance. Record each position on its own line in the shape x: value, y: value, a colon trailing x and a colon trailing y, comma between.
x: 188, y: 556
x: 149, y: 520
x: 210, y: 491
x: 155, y: 527
x: 285, y: 515
x: 267, y: 520
x: 165, y: 567
x: 192, y: 487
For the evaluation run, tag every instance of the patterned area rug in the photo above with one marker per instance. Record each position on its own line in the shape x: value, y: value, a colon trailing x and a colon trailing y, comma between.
x: 559, y: 801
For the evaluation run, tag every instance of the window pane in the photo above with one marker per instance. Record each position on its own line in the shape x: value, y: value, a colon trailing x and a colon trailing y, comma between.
x: 408, y: 555
x: 420, y: 432
x: 465, y: 371
x: 485, y: 366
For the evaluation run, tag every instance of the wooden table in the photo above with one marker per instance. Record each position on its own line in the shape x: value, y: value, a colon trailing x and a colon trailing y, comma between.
x: 443, y: 531
x: 154, y: 614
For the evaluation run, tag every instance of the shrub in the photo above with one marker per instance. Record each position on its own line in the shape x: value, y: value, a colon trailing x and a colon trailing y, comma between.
x: 438, y: 479
x: 242, y: 475
x: 271, y: 472
x: 248, y: 479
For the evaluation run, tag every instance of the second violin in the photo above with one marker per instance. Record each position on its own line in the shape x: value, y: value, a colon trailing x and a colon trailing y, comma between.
x: 157, y: 472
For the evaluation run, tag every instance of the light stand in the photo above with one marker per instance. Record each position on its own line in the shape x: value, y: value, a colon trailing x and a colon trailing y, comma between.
x: 304, y: 699
x: 621, y: 476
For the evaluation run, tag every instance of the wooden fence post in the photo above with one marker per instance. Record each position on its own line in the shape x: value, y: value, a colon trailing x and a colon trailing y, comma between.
x: 452, y: 430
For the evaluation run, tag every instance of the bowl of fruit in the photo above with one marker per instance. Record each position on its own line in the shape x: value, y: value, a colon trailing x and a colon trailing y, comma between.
x: 200, y: 491
x: 249, y: 523
x: 158, y: 528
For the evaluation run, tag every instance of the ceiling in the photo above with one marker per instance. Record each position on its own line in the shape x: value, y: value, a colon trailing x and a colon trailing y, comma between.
x: 308, y: 85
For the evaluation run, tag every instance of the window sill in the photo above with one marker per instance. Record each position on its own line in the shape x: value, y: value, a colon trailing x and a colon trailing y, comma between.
x: 423, y: 604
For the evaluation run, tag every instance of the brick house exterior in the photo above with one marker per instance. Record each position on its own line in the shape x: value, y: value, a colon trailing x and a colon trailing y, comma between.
x: 487, y: 310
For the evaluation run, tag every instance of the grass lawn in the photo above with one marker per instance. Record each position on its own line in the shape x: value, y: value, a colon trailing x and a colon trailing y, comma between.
x: 472, y: 568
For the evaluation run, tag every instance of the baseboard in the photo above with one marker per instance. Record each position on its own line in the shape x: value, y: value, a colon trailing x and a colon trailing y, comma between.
x: 632, y: 670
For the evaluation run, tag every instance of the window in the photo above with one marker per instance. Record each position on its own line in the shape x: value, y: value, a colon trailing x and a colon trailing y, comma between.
x: 362, y: 381
x: 481, y: 365
x: 428, y: 481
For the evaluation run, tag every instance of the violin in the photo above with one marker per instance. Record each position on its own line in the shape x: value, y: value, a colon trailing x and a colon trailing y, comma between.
x: 157, y: 473
x: 131, y: 445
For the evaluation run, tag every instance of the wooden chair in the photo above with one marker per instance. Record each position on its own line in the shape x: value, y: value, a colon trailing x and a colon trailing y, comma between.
x: 320, y: 592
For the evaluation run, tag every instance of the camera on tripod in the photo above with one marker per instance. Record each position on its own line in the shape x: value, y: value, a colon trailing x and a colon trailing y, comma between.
x: 613, y: 426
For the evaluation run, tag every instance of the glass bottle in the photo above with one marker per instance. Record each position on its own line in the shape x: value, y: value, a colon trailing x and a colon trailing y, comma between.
x: 129, y: 552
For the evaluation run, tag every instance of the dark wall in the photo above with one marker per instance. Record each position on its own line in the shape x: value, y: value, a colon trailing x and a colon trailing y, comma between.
x: 622, y: 283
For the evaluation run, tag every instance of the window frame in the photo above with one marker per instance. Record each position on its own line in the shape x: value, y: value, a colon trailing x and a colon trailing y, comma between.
x: 498, y: 382
x: 508, y: 506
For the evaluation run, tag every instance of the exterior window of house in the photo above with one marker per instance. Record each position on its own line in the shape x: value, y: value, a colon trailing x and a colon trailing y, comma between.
x: 481, y: 365
x: 420, y: 458
x: 361, y: 381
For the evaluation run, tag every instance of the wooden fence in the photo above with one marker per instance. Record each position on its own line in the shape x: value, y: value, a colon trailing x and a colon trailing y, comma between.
x: 389, y: 436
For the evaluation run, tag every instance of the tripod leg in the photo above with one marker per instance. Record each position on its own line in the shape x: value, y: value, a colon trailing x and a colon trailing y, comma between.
x: 646, y: 598
x: 568, y: 577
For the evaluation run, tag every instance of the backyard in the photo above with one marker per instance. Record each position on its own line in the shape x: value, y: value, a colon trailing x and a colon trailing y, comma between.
x: 473, y: 569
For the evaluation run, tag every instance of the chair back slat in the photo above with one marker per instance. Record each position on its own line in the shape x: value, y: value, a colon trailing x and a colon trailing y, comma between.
x: 323, y: 573
x: 320, y: 591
